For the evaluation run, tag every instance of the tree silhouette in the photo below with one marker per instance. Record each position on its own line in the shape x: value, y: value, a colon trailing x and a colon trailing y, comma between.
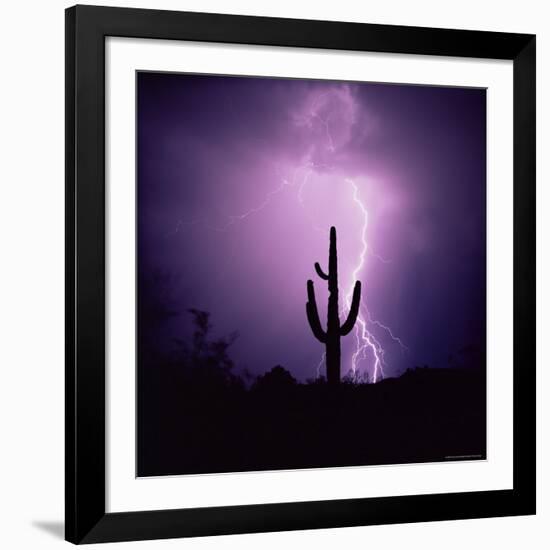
x: 206, y: 359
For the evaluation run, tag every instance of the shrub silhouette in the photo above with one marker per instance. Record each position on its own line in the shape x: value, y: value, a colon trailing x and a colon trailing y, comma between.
x: 278, y: 378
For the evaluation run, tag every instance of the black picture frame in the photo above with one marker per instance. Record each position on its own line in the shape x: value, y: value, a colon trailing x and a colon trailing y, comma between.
x: 86, y: 520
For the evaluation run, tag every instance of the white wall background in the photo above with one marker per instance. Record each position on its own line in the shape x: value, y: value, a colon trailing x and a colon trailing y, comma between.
x: 31, y: 272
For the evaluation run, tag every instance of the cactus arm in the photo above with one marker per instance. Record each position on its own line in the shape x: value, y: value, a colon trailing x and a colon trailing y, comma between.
x: 314, y: 323
x: 313, y: 314
x: 320, y: 272
x: 354, y: 310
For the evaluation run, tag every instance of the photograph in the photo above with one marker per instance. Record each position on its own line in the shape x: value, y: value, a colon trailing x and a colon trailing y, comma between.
x: 273, y: 275
x: 311, y: 268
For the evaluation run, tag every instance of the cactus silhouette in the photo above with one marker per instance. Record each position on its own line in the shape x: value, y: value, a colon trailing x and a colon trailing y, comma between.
x: 331, y: 336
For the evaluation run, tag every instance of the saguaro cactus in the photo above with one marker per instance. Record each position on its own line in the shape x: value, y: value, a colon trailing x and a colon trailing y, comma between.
x: 331, y: 336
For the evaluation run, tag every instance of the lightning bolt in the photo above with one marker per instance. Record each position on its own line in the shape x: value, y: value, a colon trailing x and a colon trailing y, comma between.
x: 367, y: 345
x: 295, y: 182
x: 364, y: 338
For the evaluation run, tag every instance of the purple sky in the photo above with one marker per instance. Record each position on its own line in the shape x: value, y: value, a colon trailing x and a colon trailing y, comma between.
x: 239, y: 180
